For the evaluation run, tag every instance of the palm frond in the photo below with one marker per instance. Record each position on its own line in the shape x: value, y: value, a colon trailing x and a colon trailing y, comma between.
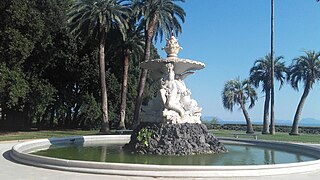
x: 305, y: 69
x: 236, y: 92
x: 89, y: 17
x: 167, y: 13
x: 260, y: 73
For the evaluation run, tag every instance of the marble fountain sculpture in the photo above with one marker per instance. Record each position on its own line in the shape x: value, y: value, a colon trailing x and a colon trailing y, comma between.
x: 173, y: 103
x: 170, y: 123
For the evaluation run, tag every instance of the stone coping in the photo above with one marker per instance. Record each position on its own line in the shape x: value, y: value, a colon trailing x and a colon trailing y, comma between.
x: 180, y: 65
x: 20, y: 153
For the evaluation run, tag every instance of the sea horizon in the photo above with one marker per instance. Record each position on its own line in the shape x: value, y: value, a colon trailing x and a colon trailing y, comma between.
x: 304, y: 122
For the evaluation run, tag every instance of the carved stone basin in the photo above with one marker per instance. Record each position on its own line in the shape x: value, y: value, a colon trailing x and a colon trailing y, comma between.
x: 181, y: 66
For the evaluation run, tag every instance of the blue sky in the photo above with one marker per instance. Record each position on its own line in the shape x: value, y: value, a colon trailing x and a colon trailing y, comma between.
x: 229, y: 35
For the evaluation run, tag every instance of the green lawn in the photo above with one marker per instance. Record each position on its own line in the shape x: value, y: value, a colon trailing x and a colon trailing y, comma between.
x: 305, y: 138
x: 7, y: 136
x: 21, y: 135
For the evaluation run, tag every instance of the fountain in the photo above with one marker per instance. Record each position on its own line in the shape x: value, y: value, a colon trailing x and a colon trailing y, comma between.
x: 170, y: 140
x: 173, y: 103
x: 170, y: 123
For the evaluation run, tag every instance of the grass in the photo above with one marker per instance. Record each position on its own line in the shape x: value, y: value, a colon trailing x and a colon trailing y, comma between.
x: 304, y: 138
x: 22, y: 135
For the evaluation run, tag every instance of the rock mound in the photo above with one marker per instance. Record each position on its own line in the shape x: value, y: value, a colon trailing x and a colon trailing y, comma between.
x: 173, y: 139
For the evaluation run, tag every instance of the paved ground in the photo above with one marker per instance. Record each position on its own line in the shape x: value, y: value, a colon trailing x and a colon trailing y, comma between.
x: 14, y: 171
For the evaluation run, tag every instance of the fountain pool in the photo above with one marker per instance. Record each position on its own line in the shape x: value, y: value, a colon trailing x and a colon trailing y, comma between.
x: 239, y: 154
x: 242, y: 160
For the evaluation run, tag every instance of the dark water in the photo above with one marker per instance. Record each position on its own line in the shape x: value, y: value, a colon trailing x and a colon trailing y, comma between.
x: 237, y: 155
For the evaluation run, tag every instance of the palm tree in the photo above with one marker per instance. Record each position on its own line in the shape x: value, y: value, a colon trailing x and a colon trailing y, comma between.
x: 159, y: 17
x: 272, y: 124
x: 237, y: 92
x: 94, y: 18
x: 307, y: 70
x: 132, y: 46
x: 260, y: 73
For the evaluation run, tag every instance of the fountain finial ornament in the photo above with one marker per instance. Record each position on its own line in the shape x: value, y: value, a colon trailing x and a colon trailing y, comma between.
x: 172, y: 47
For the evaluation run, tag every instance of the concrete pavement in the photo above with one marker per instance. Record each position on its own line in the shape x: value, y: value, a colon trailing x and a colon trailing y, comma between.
x: 12, y: 170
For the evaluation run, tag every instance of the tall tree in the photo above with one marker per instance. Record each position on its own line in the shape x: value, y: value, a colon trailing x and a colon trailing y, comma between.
x: 159, y: 17
x: 73, y: 70
x: 236, y: 92
x: 272, y: 119
x: 305, y: 69
x: 96, y: 18
x: 132, y: 46
x: 260, y: 73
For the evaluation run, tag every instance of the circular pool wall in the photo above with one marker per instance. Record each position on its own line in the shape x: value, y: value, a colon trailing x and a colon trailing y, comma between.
x: 21, y: 153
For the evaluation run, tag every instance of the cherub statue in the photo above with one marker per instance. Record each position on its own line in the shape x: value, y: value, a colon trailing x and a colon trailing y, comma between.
x: 170, y: 92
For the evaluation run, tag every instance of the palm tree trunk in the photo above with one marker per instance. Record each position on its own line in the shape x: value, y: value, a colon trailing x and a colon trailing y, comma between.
x: 137, y: 108
x: 248, y: 121
x: 52, y: 117
x: 1, y: 113
x: 272, y: 119
x: 143, y: 76
x: 124, y: 89
x: 75, y: 121
x: 105, y: 129
x: 265, y: 129
x: 294, y: 129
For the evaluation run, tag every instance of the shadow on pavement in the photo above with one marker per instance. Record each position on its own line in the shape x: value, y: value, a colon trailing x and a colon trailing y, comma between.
x: 6, y: 155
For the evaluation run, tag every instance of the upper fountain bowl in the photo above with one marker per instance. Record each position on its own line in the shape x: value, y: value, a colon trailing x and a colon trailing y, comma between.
x: 181, y: 66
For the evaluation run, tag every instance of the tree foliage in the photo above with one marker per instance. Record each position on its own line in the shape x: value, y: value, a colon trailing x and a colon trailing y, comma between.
x: 237, y: 92
x: 49, y: 78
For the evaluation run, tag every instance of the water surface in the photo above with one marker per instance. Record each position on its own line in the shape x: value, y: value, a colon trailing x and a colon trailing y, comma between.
x: 237, y: 155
